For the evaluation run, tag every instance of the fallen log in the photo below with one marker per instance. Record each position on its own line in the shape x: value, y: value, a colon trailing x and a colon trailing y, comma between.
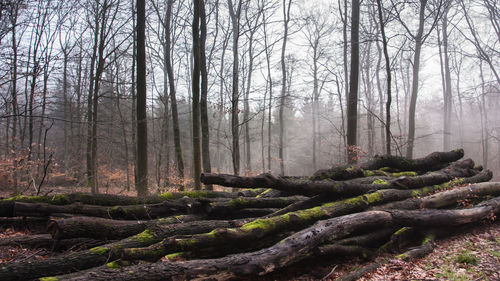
x: 34, y: 225
x: 46, y: 241
x: 295, y: 247
x: 108, y: 229
x: 7, y: 205
x: 268, y: 226
x: 446, y: 198
x: 224, y: 207
x: 75, y: 261
x: 339, y: 189
x: 131, y: 212
x: 431, y: 162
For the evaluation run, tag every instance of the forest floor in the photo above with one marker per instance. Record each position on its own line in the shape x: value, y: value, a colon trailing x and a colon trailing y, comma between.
x: 472, y: 255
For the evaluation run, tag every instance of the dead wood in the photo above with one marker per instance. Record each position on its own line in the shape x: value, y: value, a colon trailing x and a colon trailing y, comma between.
x: 296, y: 247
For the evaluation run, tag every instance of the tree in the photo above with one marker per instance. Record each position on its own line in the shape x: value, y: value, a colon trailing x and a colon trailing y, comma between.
x: 389, y: 78
x: 286, y: 20
x: 142, y: 125
x: 196, y: 92
x: 420, y: 37
x: 205, y: 133
x: 235, y: 14
x: 352, y: 99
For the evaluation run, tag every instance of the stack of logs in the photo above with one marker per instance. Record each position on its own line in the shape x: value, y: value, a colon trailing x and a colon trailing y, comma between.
x: 378, y: 207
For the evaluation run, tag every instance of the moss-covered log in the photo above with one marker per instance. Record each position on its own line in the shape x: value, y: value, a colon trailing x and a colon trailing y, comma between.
x: 294, y: 248
x: 75, y: 261
x: 223, y: 207
x: 379, y: 166
x: 431, y: 162
x: 268, y: 226
x: 7, y: 205
x: 446, y: 198
x: 46, y: 241
x: 339, y: 189
x: 131, y: 212
x: 108, y: 229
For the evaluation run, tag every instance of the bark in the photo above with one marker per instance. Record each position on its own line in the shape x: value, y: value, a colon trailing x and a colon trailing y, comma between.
x: 343, y: 250
x: 448, y: 198
x: 222, y: 207
x: 336, y: 189
x: 352, y: 103
x: 196, y: 93
x: 433, y: 161
x: 98, y: 228
x: 205, y: 133
x: 173, y: 99
x: 46, y: 241
x: 141, y: 181
x: 264, y: 227
x: 235, y: 22
x: 131, y: 212
x: 33, y: 225
x: 75, y: 261
x: 107, y: 229
x: 295, y: 247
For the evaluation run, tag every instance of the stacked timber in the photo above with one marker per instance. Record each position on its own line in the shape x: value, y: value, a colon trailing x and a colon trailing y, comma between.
x: 385, y: 205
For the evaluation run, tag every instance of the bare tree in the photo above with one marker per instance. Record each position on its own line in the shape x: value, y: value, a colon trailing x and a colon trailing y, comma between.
x: 389, y: 79
x: 434, y: 13
x: 352, y: 99
x: 235, y: 14
x: 286, y: 20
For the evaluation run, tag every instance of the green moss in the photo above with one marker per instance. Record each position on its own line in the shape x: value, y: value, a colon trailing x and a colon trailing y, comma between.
x: 238, y: 202
x: 400, y: 231
x: 113, y: 265
x: 404, y: 174
x: 496, y: 254
x: 368, y: 173
x: 428, y: 239
x: 467, y: 258
x: 49, y: 279
x: 373, y: 197
x: 365, y: 199
x: 195, y: 194
x: 174, y: 255
x: 263, y: 224
x: 99, y: 250
x: 264, y: 192
x: 145, y: 236
x: 380, y: 182
x: 401, y: 256
x: 385, y: 169
x: 212, y: 233
x: 167, y: 196
x: 308, y: 214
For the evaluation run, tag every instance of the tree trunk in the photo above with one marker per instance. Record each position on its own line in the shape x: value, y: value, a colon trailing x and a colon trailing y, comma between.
x: 142, y: 125
x: 352, y: 103
x: 205, y: 133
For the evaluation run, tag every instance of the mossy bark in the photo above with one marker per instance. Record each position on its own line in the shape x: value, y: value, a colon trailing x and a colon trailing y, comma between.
x: 264, y: 227
x: 75, y: 261
x: 339, y: 189
x: 295, y: 247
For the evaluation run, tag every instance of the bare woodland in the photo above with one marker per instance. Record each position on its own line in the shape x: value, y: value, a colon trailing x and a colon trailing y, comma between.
x: 226, y: 127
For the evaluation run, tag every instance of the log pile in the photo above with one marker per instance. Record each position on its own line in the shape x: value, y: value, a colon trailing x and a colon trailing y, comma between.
x: 386, y: 205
